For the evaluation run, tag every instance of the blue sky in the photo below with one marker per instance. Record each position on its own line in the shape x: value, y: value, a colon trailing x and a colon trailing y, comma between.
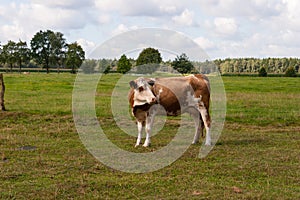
x: 223, y: 28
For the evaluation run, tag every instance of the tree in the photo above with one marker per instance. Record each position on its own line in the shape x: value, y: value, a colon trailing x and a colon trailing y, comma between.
x: 22, y: 54
x: 105, y: 65
x: 2, y: 91
x: 47, y: 48
x: 148, y: 61
x: 2, y: 60
x: 59, y: 48
x: 290, y: 72
x: 9, y: 53
x: 182, y: 64
x: 262, y: 72
x: 124, y: 64
x: 88, y: 66
x: 74, y: 56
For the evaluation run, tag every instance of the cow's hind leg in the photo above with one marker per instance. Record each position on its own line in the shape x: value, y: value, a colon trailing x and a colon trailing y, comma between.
x: 140, y: 129
x: 207, y: 122
x: 198, y: 124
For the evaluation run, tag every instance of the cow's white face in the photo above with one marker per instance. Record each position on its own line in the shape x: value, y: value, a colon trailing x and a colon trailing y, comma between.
x: 142, y: 92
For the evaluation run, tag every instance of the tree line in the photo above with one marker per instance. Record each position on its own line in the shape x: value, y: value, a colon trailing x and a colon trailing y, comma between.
x: 149, y: 60
x: 255, y: 65
x: 47, y: 49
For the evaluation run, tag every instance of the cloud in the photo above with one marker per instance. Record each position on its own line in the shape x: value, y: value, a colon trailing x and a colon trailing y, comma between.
x: 12, y: 32
x: 87, y: 46
x: 290, y: 15
x: 21, y: 21
x: 55, y: 18
x: 150, y: 8
x: 123, y: 28
x: 185, y: 18
x: 252, y: 9
x: 221, y: 27
x: 225, y: 26
x: 129, y: 7
x: 205, y: 43
x: 67, y: 4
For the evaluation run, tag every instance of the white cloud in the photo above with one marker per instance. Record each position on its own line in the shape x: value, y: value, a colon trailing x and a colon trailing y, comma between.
x: 129, y: 7
x: 21, y: 21
x: 252, y: 9
x: 290, y: 16
x: 230, y: 27
x: 69, y: 4
x: 87, y: 46
x: 55, y: 18
x: 205, y: 43
x: 104, y: 19
x: 123, y: 28
x: 168, y: 9
x: 185, y: 18
x: 225, y: 26
x: 150, y: 8
x: 12, y: 32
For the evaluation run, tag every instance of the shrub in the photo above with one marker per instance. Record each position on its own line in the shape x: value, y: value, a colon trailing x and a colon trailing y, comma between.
x: 290, y: 72
x: 262, y: 72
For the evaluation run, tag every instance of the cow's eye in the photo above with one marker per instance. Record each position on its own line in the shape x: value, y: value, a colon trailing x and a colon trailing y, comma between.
x: 141, y: 89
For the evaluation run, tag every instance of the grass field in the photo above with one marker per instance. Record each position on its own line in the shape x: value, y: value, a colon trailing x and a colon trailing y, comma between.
x: 256, y: 157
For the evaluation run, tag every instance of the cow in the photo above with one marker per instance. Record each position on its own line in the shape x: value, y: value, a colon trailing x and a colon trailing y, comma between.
x: 177, y: 95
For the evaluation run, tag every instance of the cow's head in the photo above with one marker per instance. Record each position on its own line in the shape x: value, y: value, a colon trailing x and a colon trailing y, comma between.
x: 142, y: 91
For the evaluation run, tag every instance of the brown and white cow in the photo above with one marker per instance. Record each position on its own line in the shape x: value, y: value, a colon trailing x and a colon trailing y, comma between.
x: 177, y: 95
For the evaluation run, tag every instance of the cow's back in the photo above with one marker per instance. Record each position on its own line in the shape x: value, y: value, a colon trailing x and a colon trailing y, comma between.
x: 173, y: 93
x: 169, y: 94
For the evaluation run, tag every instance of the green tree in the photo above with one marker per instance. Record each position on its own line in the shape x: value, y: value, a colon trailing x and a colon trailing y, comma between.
x: 74, y: 57
x: 47, y: 48
x: 148, y: 61
x: 124, y: 64
x: 88, y: 66
x: 262, y: 72
x: 2, y: 61
x: 59, y: 48
x: 9, y: 53
x: 105, y: 65
x: 182, y: 64
x: 22, y: 54
x: 290, y: 72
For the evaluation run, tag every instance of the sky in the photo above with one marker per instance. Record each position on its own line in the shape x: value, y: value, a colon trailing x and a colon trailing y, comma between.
x: 222, y: 28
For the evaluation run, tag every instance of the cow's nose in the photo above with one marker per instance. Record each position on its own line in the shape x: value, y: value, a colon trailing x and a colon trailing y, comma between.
x: 153, y: 99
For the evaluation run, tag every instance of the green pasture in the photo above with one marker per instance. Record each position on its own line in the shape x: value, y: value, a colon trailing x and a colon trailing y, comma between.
x: 42, y: 156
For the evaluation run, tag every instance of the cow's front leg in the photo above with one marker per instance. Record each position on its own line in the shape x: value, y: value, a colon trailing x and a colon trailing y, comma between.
x: 149, y: 124
x: 148, y: 131
x: 139, y: 138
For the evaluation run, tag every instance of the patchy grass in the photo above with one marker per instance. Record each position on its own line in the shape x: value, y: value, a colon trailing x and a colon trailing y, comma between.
x: 256, y: 157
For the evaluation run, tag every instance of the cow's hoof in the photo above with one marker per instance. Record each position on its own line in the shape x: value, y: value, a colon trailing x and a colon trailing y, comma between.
x: 146, y: 145
x: 207, y: 144
x: 195, y: 142
x: 135, y: 146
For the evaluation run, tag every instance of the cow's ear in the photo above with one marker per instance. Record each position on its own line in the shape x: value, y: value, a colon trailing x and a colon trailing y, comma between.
x: 133, y: 84
x: 151, y: 82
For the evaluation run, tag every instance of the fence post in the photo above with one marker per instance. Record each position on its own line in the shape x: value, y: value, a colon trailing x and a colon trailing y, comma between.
x: 2, y: 90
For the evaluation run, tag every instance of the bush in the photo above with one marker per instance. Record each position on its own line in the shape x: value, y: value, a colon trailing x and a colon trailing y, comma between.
x: 290, y: 72
x: 262, y: 72
x: 182, y: 64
